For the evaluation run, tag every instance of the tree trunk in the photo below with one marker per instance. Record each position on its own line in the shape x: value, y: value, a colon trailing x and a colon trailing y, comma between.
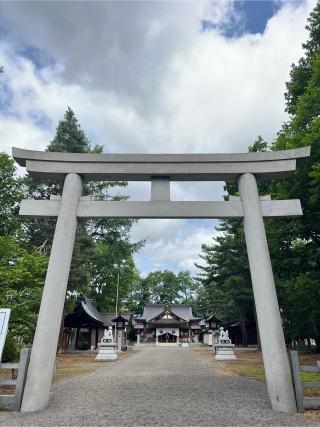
x: 257, y: 328
x: 309, y: 343
x: 244, y: 333
x: 61, y: 335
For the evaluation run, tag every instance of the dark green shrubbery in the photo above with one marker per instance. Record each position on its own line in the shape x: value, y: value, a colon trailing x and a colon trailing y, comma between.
x: 11, y: 351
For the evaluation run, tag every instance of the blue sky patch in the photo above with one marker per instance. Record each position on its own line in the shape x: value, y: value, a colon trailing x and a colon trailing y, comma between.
x: 41, y: 120
x: 256, y: 14
x: 39, y: 57
x: 6, y: 96
x: 248, y: 17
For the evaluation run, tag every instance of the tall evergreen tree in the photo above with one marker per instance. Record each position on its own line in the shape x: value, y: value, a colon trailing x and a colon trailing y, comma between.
x: 225, y: 277
x: 299, y: 240
x: 301, y: 72
x: 91, y: 236
x: 295, y: 243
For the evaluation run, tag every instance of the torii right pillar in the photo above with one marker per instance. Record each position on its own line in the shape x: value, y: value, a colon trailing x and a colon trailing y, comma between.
x: 275, y: 358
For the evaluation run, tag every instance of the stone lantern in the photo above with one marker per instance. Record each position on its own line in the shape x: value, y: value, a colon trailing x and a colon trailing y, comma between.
x: 213, y: 324
x: 121, y: 324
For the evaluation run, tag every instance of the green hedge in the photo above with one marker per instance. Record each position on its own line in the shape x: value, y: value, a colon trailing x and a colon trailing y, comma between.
x: 11, y: 351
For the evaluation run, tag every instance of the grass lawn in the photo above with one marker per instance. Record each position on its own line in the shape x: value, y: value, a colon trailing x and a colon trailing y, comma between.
x: 249, y: 363
x: 74, y: 365
x: 68, y: 366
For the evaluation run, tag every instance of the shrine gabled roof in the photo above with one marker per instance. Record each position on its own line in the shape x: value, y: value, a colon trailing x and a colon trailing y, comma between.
x: 120, y: 317
x: 109, y: 317
x: 182, y: 311
x: 212, y: 317
x: 90, y: 309
x: 84, y: 314
x: 167, y: 322
x: 167, y: 311
x: 202, y: 322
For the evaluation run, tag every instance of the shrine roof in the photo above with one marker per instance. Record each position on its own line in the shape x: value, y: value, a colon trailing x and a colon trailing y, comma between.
x: 212, y: 317
x: 121, y: 317
x: 109, y: 317
x: 183, y: 311
x: 167, y: 322
x: 196, y: 326
x: 84, y: 314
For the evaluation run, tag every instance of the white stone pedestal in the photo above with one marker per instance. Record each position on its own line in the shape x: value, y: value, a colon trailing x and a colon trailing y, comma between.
x: 224, y: 351
x: 107, y: 352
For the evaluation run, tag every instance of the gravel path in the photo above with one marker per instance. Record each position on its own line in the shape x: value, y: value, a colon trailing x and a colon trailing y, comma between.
x: 158, y: 387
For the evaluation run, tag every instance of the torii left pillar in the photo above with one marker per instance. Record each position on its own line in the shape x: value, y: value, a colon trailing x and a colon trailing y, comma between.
x: 40, y: 372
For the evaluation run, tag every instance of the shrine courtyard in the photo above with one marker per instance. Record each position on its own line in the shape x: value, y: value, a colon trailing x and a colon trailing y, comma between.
x: 156, y: 386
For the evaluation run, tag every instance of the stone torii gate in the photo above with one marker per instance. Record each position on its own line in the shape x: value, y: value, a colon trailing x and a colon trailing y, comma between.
x: 160, y: 169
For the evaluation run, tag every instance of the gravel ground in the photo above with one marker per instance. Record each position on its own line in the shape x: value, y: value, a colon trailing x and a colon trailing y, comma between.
x: 158, y: 387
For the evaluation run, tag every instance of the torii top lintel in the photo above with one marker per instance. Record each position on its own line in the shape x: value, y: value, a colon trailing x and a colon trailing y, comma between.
x: 177, y: 167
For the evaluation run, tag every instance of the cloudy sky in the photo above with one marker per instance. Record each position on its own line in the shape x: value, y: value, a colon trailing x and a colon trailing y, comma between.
x: 150, y: 77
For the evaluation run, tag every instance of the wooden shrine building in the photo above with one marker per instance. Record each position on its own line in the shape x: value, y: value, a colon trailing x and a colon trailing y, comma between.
x: 167, y: 325
x: 84, y: 327
x: 164, y: 325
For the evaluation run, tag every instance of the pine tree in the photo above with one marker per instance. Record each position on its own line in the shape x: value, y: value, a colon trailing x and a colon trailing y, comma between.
x: 300, y: 239
x: 71, y: 138
x: 301, y: 72
x: 294, y: 244
x: 225, y: 276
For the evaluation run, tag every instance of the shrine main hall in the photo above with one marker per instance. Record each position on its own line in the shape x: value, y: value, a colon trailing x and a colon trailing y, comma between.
x: 168, y: 325
x: 164, y: 325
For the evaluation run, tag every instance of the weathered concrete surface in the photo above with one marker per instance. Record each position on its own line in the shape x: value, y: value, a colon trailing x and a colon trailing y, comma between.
x: 158, y: 386
x: 160, y: 209
x: 141, y: 167
x: 275, y: 358
x: 21, y: 155
x: 45, y: 343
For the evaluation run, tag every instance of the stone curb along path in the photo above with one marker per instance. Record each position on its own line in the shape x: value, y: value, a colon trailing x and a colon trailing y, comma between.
x: 158, y: 387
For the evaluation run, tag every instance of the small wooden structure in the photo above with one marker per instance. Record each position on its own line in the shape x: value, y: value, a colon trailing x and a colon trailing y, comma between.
x: 86, y: 321
x: 304, y: 402
x: 84, y: 327
x: 244, y: 333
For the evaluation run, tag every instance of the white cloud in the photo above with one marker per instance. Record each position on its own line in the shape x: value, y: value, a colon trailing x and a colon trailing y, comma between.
x: 209, y: 94
x: 173, y: 243
x: 142, y: 77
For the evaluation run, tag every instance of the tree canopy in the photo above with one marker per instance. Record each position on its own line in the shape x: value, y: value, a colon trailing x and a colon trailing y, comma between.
x: 164, y: 287
x: 102, y: 253
x: 22, y: 267
x: 294, y: 244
